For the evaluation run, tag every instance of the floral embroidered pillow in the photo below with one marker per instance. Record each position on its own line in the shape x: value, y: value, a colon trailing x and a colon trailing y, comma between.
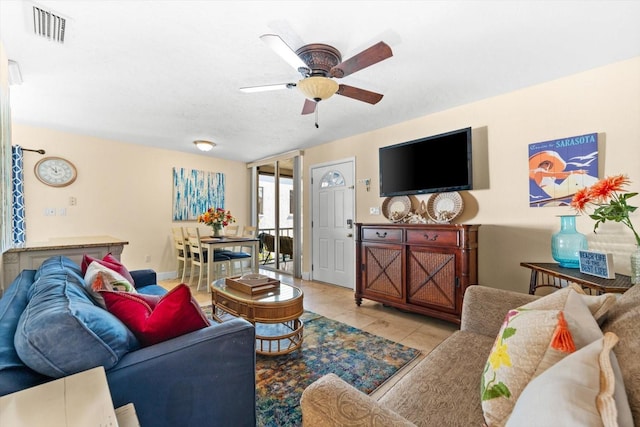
x: 100, y: 278
x: 529, y: 342
x: 523, y: 341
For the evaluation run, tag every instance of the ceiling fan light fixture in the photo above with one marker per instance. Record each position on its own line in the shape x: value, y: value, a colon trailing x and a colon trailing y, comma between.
x: 204, y: 145
x: 318, y: 88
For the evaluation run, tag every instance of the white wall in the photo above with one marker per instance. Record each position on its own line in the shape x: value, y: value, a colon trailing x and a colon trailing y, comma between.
x: 122, y: 190
x: 605, y: 100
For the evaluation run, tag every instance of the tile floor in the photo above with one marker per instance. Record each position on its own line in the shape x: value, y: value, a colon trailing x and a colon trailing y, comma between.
x: 335, y: 302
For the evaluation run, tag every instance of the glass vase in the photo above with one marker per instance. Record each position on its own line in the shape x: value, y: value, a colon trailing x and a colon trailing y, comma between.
x: 567, y: 243
x: 217, y: 230
x: 635, y: 266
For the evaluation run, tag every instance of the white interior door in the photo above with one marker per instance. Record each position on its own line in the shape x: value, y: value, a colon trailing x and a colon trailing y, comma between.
x: 332, y: 229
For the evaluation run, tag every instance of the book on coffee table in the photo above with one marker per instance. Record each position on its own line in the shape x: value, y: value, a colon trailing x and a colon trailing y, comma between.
x: 252, y: 286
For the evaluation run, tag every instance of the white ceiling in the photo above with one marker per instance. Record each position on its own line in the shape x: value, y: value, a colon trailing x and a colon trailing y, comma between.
x: 165, y: 73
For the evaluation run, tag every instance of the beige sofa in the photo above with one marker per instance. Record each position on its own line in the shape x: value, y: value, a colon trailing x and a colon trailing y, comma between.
x: 444, y: 388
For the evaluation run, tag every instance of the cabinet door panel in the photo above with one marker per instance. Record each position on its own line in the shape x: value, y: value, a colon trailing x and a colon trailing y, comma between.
x: 431, y: 278
x: 383, y: 270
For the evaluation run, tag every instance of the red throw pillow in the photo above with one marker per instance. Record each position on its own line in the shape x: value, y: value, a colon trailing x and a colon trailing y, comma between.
x: 175, y: 313
x: 108, y: 261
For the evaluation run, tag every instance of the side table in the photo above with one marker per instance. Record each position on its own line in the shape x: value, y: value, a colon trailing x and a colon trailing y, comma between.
x: 548, y: 274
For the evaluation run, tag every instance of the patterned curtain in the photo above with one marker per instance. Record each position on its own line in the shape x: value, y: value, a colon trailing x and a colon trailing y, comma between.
x: 17, y: 193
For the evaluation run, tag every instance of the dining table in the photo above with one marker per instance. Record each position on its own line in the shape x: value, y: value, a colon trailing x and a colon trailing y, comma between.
x: 213, y: 243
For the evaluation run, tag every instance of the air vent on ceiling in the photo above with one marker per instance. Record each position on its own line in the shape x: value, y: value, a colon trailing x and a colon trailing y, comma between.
x: 48, y: 24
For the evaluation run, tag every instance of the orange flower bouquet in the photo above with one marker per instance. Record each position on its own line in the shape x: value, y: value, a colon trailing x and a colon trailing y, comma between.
x: 216, y: 218
x: 609, y: 198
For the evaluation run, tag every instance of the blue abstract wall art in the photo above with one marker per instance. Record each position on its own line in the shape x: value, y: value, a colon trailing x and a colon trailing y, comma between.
x: 196, y: 191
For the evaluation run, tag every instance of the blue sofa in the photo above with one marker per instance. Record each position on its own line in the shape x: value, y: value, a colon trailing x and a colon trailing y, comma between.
x: 51, y: 328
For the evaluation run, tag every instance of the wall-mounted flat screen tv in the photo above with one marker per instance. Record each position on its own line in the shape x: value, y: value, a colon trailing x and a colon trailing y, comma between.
x: 434, y: 164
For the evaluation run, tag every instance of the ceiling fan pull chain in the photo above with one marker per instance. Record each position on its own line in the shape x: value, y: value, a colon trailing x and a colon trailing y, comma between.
x: 317, y: 108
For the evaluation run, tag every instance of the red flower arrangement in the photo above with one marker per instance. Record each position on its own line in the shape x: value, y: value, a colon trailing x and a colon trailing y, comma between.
x: 609, y: 198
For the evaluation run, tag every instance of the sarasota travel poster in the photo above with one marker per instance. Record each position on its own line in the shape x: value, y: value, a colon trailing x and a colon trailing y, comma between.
x: 561, y: 167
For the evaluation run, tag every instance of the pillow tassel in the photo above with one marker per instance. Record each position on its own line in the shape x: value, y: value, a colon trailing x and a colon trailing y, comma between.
x: 562, y: 339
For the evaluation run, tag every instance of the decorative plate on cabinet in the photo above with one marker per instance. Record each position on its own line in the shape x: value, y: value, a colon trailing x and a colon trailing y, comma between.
x: 443, y: 208
x: 396, y: 208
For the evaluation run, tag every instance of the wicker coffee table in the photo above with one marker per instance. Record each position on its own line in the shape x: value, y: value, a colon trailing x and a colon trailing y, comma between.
x: 275, y: 314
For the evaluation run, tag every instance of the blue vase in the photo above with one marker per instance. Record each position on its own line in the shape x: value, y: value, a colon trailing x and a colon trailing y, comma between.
x: 567, y: 243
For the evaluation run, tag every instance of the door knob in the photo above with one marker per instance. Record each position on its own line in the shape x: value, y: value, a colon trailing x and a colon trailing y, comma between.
x: 350, y: 235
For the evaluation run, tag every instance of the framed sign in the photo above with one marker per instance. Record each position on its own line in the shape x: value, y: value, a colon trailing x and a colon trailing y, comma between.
x: 561, y: 167
x: 597, y: 264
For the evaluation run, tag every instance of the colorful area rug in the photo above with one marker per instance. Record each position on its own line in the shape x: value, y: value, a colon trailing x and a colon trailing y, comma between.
x: 362, y: 359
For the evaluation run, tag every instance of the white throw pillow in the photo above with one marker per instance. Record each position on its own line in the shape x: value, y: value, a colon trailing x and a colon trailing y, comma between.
x: 584, y: 389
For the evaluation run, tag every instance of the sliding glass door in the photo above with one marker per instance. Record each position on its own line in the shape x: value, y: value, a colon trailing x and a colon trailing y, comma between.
x: 278, y: 214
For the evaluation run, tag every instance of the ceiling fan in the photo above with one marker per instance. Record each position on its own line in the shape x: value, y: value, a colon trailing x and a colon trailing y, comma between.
x: 319, y: 64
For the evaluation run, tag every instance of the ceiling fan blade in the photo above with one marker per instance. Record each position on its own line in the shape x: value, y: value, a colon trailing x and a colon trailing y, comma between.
x: 376, y: 53
x: 265, y: 88
x: 359, y: 94
x: 283, y: 50
x: 309, y: 106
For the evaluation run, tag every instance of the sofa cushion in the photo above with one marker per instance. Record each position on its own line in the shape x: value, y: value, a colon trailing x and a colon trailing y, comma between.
x: 152, y: 290
x: 447, y: 402
x: 331, y: 401
x: 623, y: 320
x: 155, y: 318
x: 14, y: 374
x: 60, y: 316
x: 583, y: 389
x: 108, y: 261
x: 12, y: 304
x: 598, y: 305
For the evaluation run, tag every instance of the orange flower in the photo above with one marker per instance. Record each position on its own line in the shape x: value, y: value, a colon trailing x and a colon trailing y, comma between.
x: 606, y: 187
x: 609, y: 200
x: 581, y: 199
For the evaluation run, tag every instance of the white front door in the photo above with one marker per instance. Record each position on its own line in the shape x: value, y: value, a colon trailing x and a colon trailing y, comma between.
x: 332, y: 230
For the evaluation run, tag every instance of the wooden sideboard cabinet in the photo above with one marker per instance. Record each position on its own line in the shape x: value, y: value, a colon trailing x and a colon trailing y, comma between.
x: 421, y: 268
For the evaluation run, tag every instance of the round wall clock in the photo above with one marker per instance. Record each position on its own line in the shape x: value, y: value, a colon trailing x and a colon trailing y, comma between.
x: 56, y: 171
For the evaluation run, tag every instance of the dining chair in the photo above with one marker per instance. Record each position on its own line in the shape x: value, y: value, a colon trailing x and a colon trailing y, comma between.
x: 248, y: 231
x: 239, y: 254
x: 200, y: 257
x: 231, y: 230
x: 183, y: 255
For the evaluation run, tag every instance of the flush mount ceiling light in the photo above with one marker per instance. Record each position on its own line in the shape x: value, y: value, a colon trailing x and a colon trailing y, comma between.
x: 318, y: 88
x: 204, y: 145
